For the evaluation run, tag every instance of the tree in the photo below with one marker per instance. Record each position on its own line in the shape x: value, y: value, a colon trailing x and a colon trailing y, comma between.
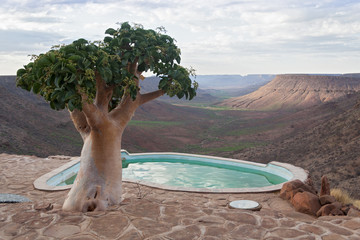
x: 98, y: 82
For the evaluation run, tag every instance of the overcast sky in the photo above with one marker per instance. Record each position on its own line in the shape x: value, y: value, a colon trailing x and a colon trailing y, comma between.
x: 215, y: 36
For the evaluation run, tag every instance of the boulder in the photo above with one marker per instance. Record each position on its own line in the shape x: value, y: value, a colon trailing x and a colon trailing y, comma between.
x: 345, y: 209
x: 306, y: 202
x: 325, y: 186
x: 337, y: 212
x: 325, y: 210
x: 353, y: 212
x: 309, y: 182
x: 334, y: 209
x: 326, y: 199
x: 291, y: 188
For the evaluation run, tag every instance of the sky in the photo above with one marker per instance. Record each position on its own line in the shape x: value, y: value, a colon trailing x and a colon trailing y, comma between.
x: 215, y: 36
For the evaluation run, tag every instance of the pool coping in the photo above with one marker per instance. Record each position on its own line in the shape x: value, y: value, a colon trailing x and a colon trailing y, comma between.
x: 297, y: 172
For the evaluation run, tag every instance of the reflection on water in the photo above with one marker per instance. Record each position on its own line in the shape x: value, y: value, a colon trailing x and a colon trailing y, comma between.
x: 197, y: 176
x: 194, y: 174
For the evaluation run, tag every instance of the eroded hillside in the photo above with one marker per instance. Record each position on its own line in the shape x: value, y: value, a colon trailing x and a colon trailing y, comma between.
x: 328, y: 147
x: 295, y: 91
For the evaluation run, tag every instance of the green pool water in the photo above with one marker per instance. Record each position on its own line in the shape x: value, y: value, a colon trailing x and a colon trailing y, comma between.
x: 194, y: 174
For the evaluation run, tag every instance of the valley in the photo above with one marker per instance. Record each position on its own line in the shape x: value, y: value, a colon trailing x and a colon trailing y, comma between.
x: 322, y: 138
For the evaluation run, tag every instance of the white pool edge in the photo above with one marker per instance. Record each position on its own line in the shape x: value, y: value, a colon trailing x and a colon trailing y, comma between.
x: 297, y: 173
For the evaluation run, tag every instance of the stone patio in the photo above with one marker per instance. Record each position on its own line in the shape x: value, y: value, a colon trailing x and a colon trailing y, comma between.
x: 148, y: 213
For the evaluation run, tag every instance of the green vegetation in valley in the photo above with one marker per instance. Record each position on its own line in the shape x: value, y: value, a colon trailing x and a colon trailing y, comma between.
x: 253, y: 130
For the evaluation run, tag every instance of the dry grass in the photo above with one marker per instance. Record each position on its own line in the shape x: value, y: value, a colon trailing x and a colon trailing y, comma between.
x: 343, y: 197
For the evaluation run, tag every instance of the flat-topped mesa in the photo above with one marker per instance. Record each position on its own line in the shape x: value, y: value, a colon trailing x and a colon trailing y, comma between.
x: 294, y: 91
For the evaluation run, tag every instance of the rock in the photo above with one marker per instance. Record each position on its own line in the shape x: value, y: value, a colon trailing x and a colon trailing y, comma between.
x: 337, y: 212
x: 306, y: 202
x: 290, y: 189
x: 43, y: 206
x: 325, y: 186
x: 338, y: 205
x: 325, y: 210
x: 345, y: 209
x: 326, y: 199
x: 353, y: 212
x: 309, y: 182
x: 333, y: 209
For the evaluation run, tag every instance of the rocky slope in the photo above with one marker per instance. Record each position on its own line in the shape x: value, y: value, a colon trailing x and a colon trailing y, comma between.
x: 294, y: 91
x: 29, y: 126
x: 329, y: 147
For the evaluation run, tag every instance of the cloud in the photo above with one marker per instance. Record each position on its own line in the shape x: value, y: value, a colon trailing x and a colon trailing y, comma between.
x: 26, y: 41
x: 214, y: 35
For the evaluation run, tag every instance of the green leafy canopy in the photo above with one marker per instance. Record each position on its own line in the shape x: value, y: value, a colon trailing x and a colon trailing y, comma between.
x: 65, y: 72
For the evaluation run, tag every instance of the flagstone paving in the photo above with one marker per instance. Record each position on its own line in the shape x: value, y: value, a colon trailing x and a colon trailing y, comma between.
x: 148, y: 213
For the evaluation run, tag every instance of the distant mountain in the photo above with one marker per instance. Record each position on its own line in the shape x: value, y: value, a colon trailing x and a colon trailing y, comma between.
x: 232, y: 81
x: 214, y: 88
x: 151, y: 84
x: 291, y: 91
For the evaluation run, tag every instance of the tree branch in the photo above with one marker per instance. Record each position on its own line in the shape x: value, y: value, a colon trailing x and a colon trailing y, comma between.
x: 90, y: 111
x: 132, y: 68
x: 80, y: 123
x: 103, y: 93
x: 144, y: 98
x: 126, y: 109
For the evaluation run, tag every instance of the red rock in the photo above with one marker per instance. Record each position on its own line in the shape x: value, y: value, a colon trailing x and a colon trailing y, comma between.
x: 325, y: 210
x: 353, y: 212
x: 326, y: 199
x: 309, y: 182
x: 325, y: 186
x: 306, y: 202
x: 345, y: 209
x: 333, y: 209
x: 338, y: 205
x: 290, y: 189
x: 337, y: 212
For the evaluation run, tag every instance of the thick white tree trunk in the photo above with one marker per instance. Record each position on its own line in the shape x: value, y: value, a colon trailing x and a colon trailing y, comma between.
x: 99, y: 180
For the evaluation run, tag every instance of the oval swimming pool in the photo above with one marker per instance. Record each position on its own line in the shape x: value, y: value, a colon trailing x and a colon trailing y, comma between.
x: 188, y: 172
